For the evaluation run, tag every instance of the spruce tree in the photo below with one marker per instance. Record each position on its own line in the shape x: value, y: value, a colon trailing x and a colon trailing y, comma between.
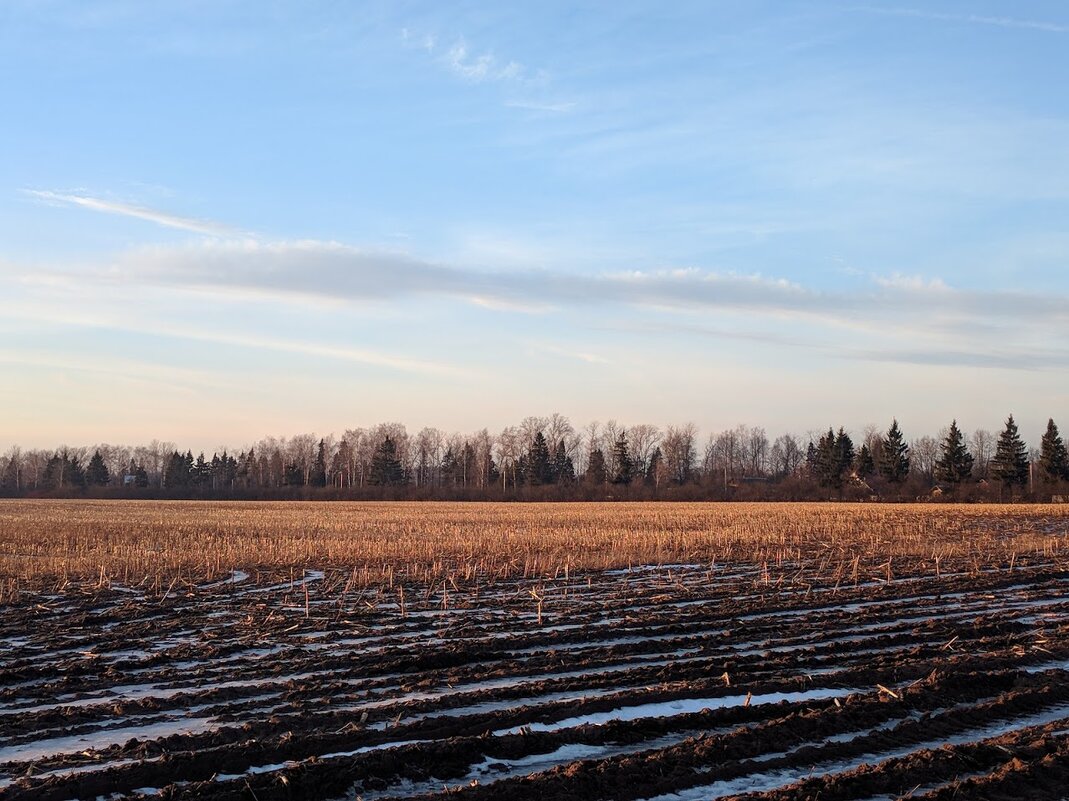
x: 563, y: 469
x: 596, y: 471
x: 654, y: 468
x: 894, y: 458
x: 386, y: 468
x: 1053, y: 458
x: 450, y: 467
x: 844, y: 455
x: 176, y: 474
x: 864, y: 466
x: 955, y: 464
x: 318, y: 476
x: 625, y: 467
x: 1010, y: 465
x: 826, y: 461
x: 539, y: 465
x: 96, y: 474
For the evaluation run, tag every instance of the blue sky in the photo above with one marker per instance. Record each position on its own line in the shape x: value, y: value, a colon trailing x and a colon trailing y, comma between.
x: 220, y: 220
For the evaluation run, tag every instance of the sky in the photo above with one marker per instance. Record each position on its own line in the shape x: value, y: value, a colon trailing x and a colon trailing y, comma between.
x: 222, y: 220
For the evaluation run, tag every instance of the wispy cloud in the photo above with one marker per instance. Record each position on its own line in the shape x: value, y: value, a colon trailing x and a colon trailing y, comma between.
x: 548, y: 107
x: 474, y: 65
x: 569, y: 352
x: 480, y: 66
x: 199, y: 226
x: 973, y: 19
x: 130, y: 322
x: 898, y: 307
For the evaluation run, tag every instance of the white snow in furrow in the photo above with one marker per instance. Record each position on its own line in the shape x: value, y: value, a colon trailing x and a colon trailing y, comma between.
x: 136, y: 692
x: 491, y: 769
x: 236, y: 577
x: 682, y: 706
x: 308, y: 578
x: 484, y: 707
x: 78, y: 769
x: 39, y: 749
x: 774, y: 780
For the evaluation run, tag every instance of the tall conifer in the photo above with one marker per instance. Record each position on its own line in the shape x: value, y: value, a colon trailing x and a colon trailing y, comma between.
x: 955, y: 463
x: 1053, y: 459
x: 894, y: 455
x: 1010, y: 465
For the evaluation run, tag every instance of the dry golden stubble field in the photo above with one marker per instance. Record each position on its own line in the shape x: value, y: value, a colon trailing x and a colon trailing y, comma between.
x: 134, y: 541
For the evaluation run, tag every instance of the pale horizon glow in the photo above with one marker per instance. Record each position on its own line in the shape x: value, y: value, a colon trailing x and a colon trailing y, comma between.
x: 227, y: 222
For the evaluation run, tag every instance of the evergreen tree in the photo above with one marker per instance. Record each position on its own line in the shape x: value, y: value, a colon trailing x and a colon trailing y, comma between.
x: 450, y: 468
x: 1053, y: 458
x: 1010, y: 465
x: 826, y: 461
x: 844, y: 454
x: 955, y: 464
x: 653, y: 469
x: 10, y: 479
x: 539, y: 467
x: 63, y: 470
x: 625, y: 467
x: 201, y: 472
x: 467, y: 465
x: 175, y: 474
x: 96, y: 474
x: 596, y: 471
x: 386, y: 468
x: 140, y: 476
x: 563, y: 469
x: 318, y: 476
x: 293, y: 475
x: 833, y: 458
x: 864, y: 466
x: 894, y: 458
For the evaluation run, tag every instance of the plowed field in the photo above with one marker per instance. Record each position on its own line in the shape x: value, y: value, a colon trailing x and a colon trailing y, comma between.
x: 692, y: 681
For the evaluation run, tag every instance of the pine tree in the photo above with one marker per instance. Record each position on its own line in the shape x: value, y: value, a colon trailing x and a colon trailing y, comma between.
x: 318, y: 476
x: 653, y: 469
x: 844, y: 454
x: 96, y: 474
x: 202, y: 471
x: 176, y: 474
x: 833, y: 457
x: 386, y: 468
x: 1010, y: 465
x: 864, y: 466
x: 894, y: 459
x: 563, y: 469
x: 1053, y: 458
x: 955, y: 465
x: 450, y: 467
x: 625, y: 467
x: 539, y: 466
x: 10, y: 479
x: 596, y: 471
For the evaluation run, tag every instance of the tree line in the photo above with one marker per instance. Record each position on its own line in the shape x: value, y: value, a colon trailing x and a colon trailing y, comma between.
x: 549, y: 458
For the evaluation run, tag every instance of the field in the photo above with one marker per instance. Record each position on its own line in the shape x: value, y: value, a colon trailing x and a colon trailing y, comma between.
x: 645, y: 651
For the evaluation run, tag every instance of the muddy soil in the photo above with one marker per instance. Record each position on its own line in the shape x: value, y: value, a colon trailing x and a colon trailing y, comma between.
x: 674, y: 683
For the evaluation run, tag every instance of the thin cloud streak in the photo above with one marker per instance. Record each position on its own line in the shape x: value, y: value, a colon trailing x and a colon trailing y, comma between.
x: 901, y: 307
x: 206, y: 227
x: 973, y: 19
x: 254, y: 341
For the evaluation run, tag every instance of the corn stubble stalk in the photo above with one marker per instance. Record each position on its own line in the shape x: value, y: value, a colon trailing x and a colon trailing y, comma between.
x: 432, y: 545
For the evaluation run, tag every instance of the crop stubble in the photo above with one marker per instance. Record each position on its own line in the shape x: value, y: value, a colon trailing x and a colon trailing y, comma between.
x: 573, y: 651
